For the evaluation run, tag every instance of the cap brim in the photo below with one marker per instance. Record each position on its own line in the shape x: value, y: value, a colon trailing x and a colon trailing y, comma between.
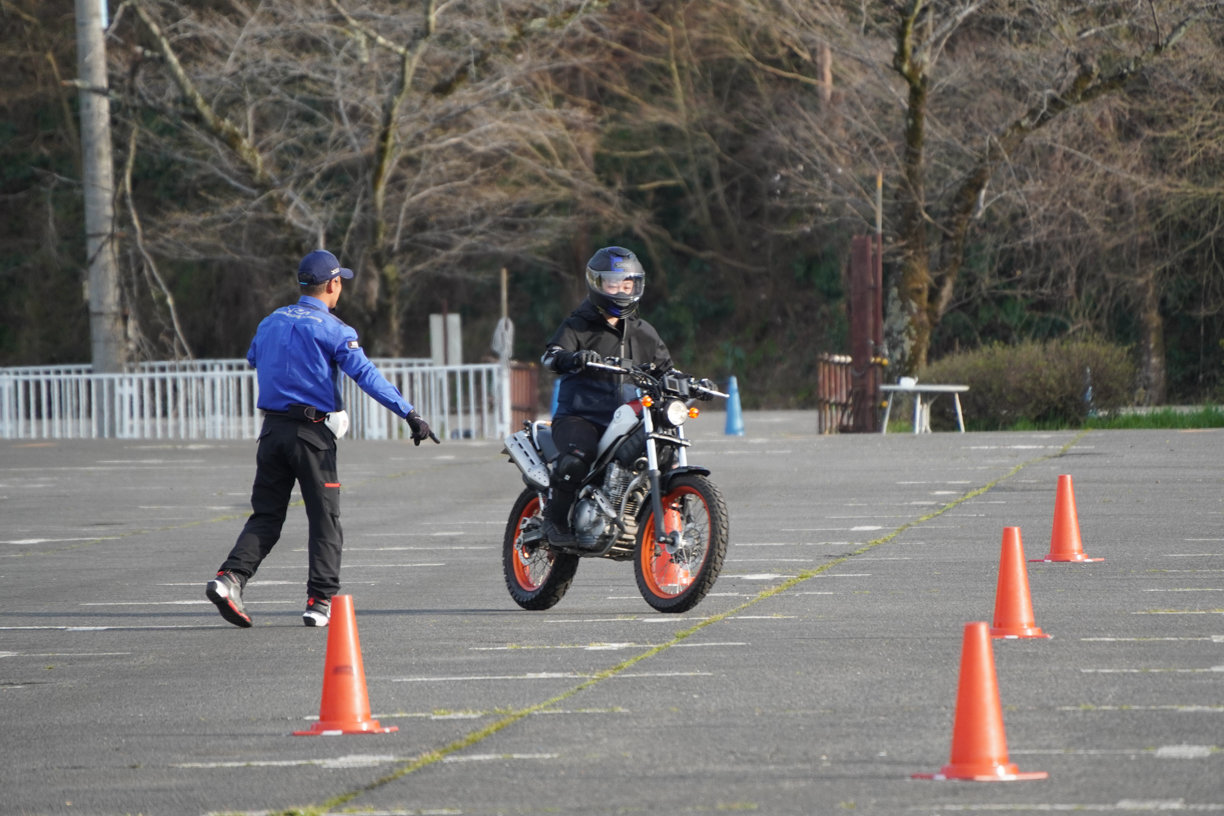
x: 346, y: 273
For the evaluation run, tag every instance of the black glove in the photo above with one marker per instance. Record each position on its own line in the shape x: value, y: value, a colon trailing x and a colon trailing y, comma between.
x: 420, y: 429
x: 709, y: 386
x: 578, y: 360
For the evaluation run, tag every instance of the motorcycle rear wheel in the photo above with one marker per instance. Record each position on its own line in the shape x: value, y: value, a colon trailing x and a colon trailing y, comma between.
x: 536, y: 576
x: 677, y: 582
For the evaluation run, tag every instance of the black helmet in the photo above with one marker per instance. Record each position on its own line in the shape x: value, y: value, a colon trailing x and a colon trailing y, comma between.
x: 606, y: 274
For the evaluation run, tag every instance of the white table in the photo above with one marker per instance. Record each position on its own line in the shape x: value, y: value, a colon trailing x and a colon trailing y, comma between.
x: 922, y: 413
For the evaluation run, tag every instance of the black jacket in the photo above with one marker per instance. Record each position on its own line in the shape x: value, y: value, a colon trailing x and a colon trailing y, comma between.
x: 593, y: 394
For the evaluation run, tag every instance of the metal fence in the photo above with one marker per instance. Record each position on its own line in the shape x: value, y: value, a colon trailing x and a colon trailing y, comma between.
x: 216, y: 399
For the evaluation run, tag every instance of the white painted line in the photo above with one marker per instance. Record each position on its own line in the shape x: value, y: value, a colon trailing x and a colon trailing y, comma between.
x: 64, y: 654
x: 201, y: 602
x: 1049, y: 807
x: 593, y: 647
x: 1010, y: 447
x: 539, y: 676
x: 114, y: 628
x: 330, y: 763
x: 59, y: 540
x: 482, y: 677
x: 1185, y: 751
x: 452, y: 522
x: 1188, y: 589
x: 439, y: 548
x: 599, y: 647
x: 1212, y: 638
x: 1153, y: 671
x: 254, y: 582
x: 1180, y: 709
x: 1180, y: 612
x: 497, y: 757
x: 770, y: 560
x: 348, y: 565
x: 622, y: 619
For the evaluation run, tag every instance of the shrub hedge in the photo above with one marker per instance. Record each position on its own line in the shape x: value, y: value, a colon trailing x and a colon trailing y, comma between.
x: 1059, y: 383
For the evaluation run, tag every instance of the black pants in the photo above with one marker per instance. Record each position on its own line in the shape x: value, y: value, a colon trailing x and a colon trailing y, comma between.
x: 289, y: 452
x: 577, y: 436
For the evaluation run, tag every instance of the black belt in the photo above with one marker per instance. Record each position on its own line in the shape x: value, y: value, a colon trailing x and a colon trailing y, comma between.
x: 301, y: 413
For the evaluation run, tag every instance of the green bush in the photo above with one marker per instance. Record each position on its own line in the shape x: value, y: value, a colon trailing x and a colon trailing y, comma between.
x: 1056, y: 383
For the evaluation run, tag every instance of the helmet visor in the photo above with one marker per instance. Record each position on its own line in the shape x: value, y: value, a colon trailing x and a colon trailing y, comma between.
x: 623, y: 284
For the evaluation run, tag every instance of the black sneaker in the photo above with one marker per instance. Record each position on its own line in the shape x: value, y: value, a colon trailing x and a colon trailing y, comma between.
x: 318, y: 612
x: 226, y: 592
x: 556, y: 535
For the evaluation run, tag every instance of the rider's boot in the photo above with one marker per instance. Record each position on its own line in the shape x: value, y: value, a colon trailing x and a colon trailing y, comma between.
x: 556, y: 526
x: 557, y: 535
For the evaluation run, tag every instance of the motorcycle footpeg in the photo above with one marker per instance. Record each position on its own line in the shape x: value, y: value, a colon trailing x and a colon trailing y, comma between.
x: 531, y: 534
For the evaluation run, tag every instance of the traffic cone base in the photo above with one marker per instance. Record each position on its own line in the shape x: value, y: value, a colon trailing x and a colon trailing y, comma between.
x: 345, y: 708
x: 1052, y: 558
x: 1013, y: 613
x: 979, y: 748
x: 1000, y: 773
x: 334, y: 729
x: 1065, y: 543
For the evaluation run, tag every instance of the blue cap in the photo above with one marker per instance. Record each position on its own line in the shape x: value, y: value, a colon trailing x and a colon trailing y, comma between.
x: 320, y: 266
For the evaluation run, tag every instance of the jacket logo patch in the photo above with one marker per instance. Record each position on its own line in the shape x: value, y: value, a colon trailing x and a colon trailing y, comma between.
x: 353, y: 344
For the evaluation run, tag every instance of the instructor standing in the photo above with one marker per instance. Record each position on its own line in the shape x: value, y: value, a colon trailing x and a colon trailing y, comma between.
x: 298, y: 353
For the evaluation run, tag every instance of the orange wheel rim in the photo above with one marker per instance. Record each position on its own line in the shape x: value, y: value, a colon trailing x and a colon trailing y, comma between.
x: 666, y: 575
x: 530, y: 568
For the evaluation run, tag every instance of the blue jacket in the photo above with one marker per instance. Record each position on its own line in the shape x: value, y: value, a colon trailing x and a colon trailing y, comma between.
x: 298, y: 354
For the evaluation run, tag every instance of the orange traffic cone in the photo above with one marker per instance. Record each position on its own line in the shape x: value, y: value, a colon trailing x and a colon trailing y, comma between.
x: 979, y: 748
x: 1013, y: 613
x: 1065, y: 544
x: 345, y: 708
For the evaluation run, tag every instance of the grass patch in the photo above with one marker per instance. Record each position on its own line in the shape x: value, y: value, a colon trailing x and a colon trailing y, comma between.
x: 1210, y: 416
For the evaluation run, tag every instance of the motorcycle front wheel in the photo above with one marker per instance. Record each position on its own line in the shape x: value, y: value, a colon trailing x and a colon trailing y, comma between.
x: 677, y: 581
x: 536, y: 576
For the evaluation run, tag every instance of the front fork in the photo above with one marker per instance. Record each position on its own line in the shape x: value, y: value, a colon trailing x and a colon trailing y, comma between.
x: 669, y: 541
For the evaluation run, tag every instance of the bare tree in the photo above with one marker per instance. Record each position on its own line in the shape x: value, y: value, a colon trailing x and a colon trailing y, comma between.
x: 414, y: 141
x: 977, y: 81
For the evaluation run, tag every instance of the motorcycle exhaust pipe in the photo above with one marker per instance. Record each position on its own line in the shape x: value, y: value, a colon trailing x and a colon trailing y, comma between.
x: 527, y: 459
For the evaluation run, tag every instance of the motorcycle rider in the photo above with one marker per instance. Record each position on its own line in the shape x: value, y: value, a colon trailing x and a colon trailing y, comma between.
x: 605, y: 324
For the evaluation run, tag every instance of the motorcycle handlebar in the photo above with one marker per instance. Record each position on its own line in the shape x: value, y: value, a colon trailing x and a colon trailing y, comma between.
x: 614, y: 364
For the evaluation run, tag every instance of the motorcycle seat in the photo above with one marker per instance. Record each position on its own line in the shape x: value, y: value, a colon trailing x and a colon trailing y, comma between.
x: 544, y: 439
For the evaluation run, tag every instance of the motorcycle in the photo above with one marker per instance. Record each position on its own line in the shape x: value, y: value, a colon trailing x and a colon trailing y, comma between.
x: 640, y: 500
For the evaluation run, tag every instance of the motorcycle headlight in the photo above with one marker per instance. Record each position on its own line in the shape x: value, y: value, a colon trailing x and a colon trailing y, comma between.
x: 675, y: 412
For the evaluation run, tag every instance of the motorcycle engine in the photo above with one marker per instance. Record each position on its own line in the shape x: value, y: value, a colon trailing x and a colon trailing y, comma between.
x: 590, y: 522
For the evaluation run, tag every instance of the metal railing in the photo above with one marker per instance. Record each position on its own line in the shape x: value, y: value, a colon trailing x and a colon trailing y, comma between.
x: 216, y: 399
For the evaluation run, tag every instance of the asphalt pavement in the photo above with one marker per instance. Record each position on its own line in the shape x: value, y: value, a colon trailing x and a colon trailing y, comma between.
x: 819, y: 676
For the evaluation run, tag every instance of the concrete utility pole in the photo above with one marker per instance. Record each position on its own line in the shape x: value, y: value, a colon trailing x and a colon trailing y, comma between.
x: 105, y: 317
